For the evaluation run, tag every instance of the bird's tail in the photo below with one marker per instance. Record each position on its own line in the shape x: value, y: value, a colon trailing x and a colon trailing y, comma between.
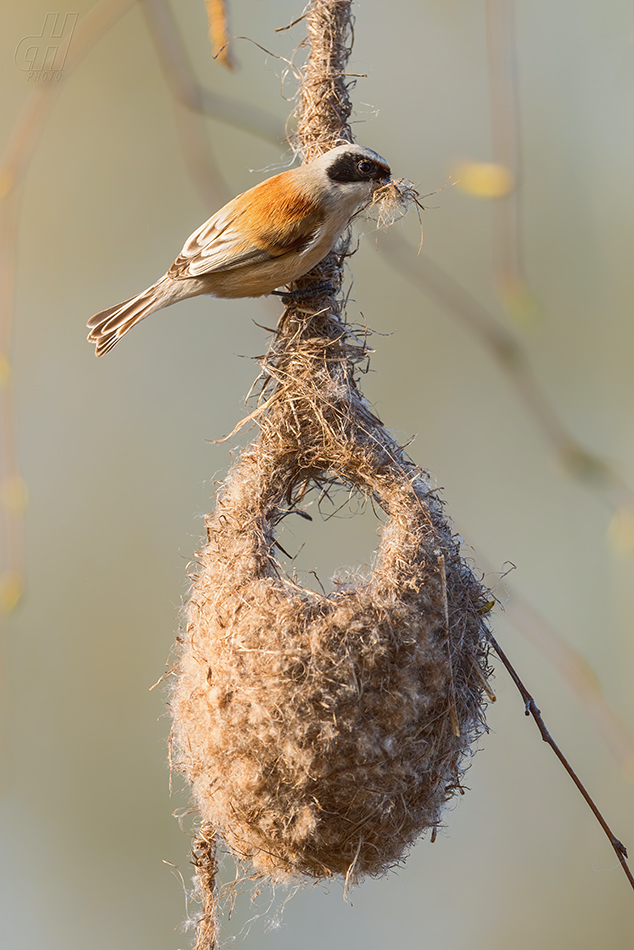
x: 108, y: 326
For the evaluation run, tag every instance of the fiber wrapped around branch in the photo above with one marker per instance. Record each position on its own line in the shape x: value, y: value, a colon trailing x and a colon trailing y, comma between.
x: 323, y: 734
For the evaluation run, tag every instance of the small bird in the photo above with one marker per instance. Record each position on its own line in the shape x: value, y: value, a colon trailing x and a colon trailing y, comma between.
x: 263, y: 239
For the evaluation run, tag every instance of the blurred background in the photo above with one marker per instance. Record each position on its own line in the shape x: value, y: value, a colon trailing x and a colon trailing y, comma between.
x: 506, y: 348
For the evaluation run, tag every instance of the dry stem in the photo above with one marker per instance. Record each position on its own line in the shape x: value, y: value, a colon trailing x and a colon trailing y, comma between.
x: 531, y: 710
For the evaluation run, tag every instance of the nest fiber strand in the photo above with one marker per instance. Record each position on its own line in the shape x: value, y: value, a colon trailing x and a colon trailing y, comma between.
x: 323, y: 734
x: 325, y: 106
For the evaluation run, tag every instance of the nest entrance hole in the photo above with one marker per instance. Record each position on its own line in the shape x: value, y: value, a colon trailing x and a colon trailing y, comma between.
x: 330, y: 538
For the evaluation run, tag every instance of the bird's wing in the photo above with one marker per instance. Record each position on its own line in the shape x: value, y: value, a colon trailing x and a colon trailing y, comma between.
x: 264, y: 223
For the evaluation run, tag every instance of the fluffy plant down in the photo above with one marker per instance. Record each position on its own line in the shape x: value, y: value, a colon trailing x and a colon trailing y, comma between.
x: 322, y: 734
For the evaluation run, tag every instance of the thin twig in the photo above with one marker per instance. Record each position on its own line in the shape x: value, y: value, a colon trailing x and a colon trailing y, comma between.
x: 575, y: 670
x: 570, y: 664
x: 531, y: 709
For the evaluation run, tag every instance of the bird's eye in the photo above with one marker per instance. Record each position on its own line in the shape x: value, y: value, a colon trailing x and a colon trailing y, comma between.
x: 364, y: 167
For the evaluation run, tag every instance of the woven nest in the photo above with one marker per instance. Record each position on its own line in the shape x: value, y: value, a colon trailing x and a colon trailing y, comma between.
x: 323, y: 734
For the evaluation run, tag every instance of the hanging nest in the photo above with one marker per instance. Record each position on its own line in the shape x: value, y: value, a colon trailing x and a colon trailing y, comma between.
x: 323, y: 734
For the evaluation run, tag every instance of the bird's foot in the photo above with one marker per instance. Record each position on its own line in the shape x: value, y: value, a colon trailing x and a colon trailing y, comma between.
x: 305, y: 293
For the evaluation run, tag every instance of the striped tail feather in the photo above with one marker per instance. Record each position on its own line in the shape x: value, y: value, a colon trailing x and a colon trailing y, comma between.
x: 108, y: 326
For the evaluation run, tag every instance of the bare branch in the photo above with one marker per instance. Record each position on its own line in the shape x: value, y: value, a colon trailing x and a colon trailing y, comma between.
x: 532, y: 710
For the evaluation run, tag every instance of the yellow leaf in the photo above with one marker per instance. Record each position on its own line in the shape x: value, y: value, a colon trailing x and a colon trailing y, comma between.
x: 484, y: 179
x: 218, y: 16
